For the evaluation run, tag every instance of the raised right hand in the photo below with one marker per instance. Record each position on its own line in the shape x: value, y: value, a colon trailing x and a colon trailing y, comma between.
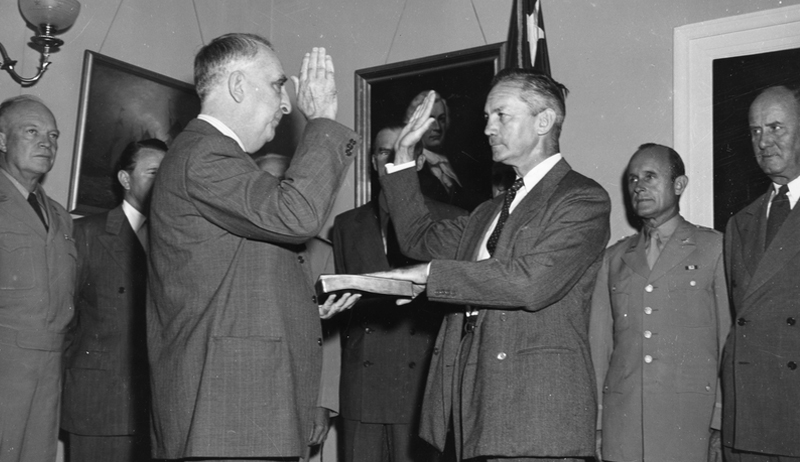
x: 412, y: 133
x: 316, y: 88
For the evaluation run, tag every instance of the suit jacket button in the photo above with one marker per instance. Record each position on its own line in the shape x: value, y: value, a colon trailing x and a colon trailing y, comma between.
x: 648, y: 359
x: 648, y: 288
x: 368, y: 330
x: 436, y: 350
x: 741, y: 321
x: 790, y: 321
x: 319, y: 341
x: 412, y: 332
x: 367, y: 363
x: 792, y: 365
x: 301, y: 259
x: 648, y: 310
x: 121, y: 290
x: 501, y: 356
x: 314, y: 298
x: 412, y: 365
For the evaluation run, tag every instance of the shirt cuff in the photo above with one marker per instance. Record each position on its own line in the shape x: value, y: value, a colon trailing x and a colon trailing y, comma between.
x: 391, y: 168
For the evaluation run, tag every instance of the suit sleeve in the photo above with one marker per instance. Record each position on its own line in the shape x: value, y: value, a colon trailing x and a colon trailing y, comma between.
x: 230, y: 191
x: 601, y: 333
x: 549, y: 259
x: 723, y: 312
x: 419, y: 235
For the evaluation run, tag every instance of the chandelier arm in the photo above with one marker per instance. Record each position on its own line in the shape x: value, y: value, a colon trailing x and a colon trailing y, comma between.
x: 8, y: 64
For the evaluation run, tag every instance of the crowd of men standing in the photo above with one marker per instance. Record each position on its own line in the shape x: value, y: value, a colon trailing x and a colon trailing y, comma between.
x: 550, y: 348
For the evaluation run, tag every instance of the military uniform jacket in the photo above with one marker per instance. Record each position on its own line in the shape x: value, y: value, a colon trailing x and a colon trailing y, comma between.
x: 657, y: 337
x: 37, y: 271
x: 107, y: 384
x: 528, y: 387
x: 761, y: 379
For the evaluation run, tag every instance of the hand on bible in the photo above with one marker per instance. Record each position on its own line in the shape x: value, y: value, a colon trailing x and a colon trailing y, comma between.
x: 417, y: 274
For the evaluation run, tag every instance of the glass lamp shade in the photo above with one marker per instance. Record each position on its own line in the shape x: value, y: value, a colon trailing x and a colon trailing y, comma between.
x: 59, y: 14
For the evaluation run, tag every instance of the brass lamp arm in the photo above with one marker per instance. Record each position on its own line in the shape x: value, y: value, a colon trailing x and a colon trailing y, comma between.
x: 8, y: 64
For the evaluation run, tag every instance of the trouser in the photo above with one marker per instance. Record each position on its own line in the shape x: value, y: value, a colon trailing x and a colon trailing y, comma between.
x: 371, y: 442
x: 733, y: 455
x: 120, y: 448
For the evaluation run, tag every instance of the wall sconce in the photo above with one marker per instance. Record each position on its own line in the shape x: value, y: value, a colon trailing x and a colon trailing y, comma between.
x: 49, y: 17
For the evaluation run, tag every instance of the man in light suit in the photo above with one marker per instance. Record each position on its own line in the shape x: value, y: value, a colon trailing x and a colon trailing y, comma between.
x: 760, y: 376
x: 37, y: 280
x: 660, y: 317
x: 386, y: 350
x: 106, y: 405
x: 234, y: 336
x: 512, y: 366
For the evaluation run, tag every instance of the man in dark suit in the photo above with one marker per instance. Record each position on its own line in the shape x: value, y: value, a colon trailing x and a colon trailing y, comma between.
x: 659, y: 320
x: 37, y: 280
x: 233, y: 329
x: 760, y: 376
x: 106, y: 403
x: 512, y: 368
x: 385, y: 349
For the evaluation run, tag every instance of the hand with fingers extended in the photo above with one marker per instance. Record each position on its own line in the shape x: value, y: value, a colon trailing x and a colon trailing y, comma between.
x: 316, y: 89
x: 417, y: 274
x: 417, y: 125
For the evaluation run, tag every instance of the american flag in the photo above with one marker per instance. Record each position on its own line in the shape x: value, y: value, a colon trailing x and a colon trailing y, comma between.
x: 526, y: 37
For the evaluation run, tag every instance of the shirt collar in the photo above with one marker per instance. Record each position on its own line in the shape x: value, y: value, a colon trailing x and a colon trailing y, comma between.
x: 224, y: 129
x: 135, y: 217
x: 22, y: 190
x: 794, y: 191
x: 667, y: 229
x: 536, y: 174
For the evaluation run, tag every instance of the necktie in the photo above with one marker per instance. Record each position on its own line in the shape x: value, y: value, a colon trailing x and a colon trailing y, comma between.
x: 491, y: 244
x: 778, y: 211
x: 653, y: 248
x: 143, y: 236
x: 38, y: 209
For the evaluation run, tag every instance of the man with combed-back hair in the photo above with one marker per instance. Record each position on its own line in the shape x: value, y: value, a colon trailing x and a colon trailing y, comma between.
x: 511, y: 373
x: 234, y: 335
x: 37, y: 280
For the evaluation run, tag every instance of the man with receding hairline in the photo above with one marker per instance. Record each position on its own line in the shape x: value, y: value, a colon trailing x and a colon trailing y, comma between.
x: 760, y: 376
x: 659, y: 320
x: 234, y: 336
x: 37, y: 278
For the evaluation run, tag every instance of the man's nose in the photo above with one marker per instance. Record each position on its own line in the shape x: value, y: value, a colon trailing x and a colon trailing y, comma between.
x: 764, y: 140
x: 489, y: 129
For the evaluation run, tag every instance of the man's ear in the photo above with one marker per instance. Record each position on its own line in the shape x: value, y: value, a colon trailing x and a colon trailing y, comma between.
x: 236, y: 81
x: 545, y: 121
x: 124, y: 179
x: 2, y: 142
x: 680, y: 184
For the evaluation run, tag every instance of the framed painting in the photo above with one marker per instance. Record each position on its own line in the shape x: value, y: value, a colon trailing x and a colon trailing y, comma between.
x: 120, y: 103
x: 462, y: 79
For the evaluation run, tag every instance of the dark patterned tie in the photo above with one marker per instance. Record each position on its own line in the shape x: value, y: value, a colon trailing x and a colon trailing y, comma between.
x: 38, y: 209
x: 491, y: 244
x: 778, y: 212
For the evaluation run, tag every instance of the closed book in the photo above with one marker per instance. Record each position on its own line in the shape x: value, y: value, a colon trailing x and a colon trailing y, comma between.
x: 365, y: 285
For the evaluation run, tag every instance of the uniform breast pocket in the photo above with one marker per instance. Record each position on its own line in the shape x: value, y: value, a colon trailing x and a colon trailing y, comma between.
x: 16, y: 262
x: 690, y: 300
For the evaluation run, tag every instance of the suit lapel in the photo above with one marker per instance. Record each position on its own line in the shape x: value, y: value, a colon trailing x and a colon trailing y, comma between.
x: 121, y: 242
x: 681, y: 244
x: 784, y: 248
x: 533, y: 205
x: 367, y: 226
x: 473, y: 235
x: 635, y: 257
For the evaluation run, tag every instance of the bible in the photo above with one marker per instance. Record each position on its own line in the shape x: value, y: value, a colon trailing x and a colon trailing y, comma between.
x: 365, y: 285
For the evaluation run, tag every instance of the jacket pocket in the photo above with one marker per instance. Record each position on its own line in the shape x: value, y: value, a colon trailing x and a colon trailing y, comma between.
x: 16, y: 262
